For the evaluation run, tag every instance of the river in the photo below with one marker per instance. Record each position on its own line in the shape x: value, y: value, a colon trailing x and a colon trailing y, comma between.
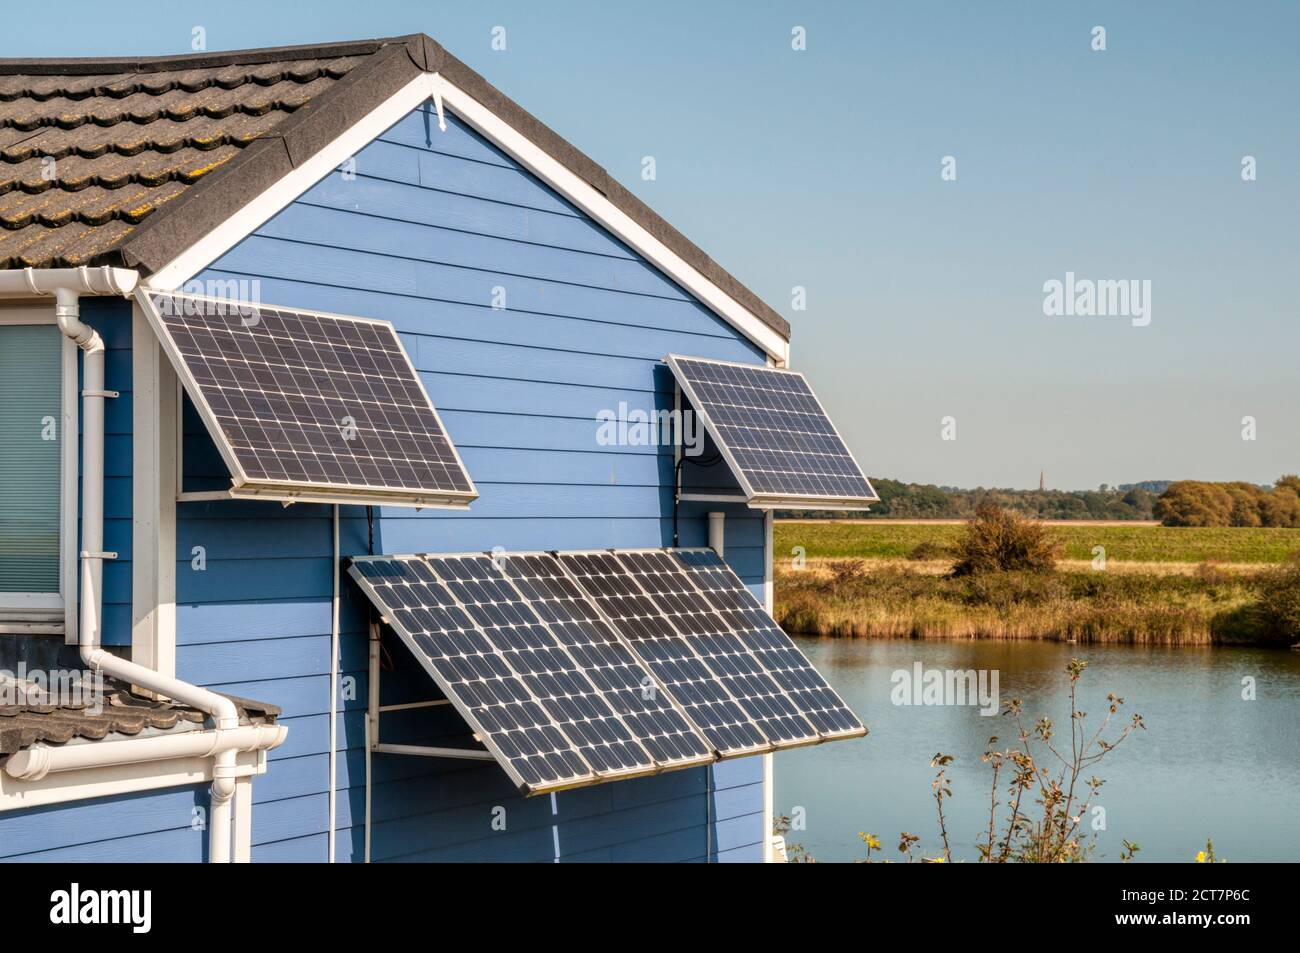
x: 1209, y: 764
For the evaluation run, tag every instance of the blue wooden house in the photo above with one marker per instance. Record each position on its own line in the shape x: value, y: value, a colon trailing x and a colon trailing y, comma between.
x: 227, y: 632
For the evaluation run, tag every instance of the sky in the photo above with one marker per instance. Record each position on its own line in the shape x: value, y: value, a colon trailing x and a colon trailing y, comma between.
x: 830, y: 168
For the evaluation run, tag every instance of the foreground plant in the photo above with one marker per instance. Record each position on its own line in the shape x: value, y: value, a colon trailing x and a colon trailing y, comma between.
x: 1048, y: 791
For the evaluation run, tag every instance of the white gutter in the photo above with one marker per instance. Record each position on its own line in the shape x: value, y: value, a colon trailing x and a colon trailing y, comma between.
x: 33, y: 764
x: 67, y: 285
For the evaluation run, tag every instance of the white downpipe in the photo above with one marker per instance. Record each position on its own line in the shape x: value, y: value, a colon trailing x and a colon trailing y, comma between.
x: 372, y: 724
x: 67, y: 285
x: 717, y: 533
x: 334, y: 694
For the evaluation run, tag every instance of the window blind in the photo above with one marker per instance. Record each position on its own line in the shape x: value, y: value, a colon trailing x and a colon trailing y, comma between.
x: 31, y: 426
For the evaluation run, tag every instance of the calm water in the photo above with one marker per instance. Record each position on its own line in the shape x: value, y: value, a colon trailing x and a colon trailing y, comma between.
x: 1208, y: 765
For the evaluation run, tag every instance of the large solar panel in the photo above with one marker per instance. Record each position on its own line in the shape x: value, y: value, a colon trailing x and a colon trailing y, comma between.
x: 774, y: 433
x: 581, y: 667
x: 815, y: 699
x: 474, y: 674
x: 307, y: 406
x: 696, y: 682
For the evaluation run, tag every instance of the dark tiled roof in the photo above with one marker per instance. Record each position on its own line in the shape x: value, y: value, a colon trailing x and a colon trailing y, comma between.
x: 85, y: 158
x: 118, y: 711
x: 152, y: 154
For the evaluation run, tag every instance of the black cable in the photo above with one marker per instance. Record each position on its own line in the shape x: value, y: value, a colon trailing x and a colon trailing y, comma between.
x: 677, y: 484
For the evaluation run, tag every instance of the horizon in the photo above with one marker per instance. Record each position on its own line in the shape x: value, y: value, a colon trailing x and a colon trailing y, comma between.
x: 1109, y: 183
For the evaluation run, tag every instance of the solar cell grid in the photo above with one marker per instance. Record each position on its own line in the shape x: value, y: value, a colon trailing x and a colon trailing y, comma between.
x: 813, y: 697
x: 690, y: 679
x: 299, y: 400
x: 544, y: 667
x: 473, y: 672
x: 774, y: 430
x: 610, y: 666
x: 723, y: 650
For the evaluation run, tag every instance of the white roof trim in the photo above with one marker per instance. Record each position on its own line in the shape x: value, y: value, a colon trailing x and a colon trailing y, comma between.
x: 260, y: 210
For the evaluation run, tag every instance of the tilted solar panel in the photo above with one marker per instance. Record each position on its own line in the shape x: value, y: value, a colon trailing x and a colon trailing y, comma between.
x: 307, y: 406
x: 474, y: 673
x: 774, y: 433
x: 676, y: 660
x: 815, y: 699
x: 581, y: 667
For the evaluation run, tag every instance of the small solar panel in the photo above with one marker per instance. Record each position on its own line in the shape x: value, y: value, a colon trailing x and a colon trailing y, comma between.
x: 813, y: 697
x: 673, y: 658
x: 310, y: 406
x: 474, y: 673
x: 775, y: 434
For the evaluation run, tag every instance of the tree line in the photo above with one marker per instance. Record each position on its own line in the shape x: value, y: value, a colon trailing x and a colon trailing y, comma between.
x: 900, y: 500
x: 1199, y: 503
x: 1176, y: 503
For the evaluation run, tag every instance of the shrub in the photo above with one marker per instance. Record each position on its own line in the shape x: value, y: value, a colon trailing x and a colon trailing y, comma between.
x: 846, y: 571
x: 1280, y: 598
x: 996, y: 540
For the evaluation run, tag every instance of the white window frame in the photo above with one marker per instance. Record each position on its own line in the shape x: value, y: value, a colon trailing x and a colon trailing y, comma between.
x: 155, y: 468
x: 44, y: 613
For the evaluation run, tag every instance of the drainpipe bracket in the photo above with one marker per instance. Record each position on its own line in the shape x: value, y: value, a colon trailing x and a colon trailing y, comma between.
x: 87, y: 554
x: 100, y: 393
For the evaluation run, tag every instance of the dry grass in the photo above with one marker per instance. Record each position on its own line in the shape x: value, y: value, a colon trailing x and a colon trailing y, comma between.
x: 897, y: 598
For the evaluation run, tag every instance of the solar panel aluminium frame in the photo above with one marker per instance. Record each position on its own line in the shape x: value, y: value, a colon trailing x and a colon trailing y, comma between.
x: 767, y: 501
x: 289, y: 491
x: 767, y: 748
x: 824, y: 736
x: 776, y: 745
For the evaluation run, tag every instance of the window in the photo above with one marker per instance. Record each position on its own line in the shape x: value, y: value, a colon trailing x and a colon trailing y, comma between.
x: 38, y: 410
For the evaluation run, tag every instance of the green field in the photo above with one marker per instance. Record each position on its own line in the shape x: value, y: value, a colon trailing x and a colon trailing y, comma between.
x: 1146, y: 544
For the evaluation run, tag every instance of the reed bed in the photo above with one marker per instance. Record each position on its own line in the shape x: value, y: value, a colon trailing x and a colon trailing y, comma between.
x: 901, y: 600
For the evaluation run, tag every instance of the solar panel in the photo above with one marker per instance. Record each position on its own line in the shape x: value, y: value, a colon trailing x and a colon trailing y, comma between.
x: 670, y: 588
x: 474, y: 674
x: 544, y: 666
x: 581, y: 667
x: 647, y: 710
x: 675, y: 659
x: 307, y: 406
x: 774, y: 433
x: 813, y: 697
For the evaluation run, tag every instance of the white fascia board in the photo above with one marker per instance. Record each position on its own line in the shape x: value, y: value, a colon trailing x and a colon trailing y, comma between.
x: 420, y: 90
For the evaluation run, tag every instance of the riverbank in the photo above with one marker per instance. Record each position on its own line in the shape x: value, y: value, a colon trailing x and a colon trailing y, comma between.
x: 850, y: 581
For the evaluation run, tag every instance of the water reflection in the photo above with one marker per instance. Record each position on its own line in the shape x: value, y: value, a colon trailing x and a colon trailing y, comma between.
x: 1210, y: 763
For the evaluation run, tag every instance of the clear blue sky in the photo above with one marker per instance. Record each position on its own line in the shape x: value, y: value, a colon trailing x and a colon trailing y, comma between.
x: 821, y: 168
